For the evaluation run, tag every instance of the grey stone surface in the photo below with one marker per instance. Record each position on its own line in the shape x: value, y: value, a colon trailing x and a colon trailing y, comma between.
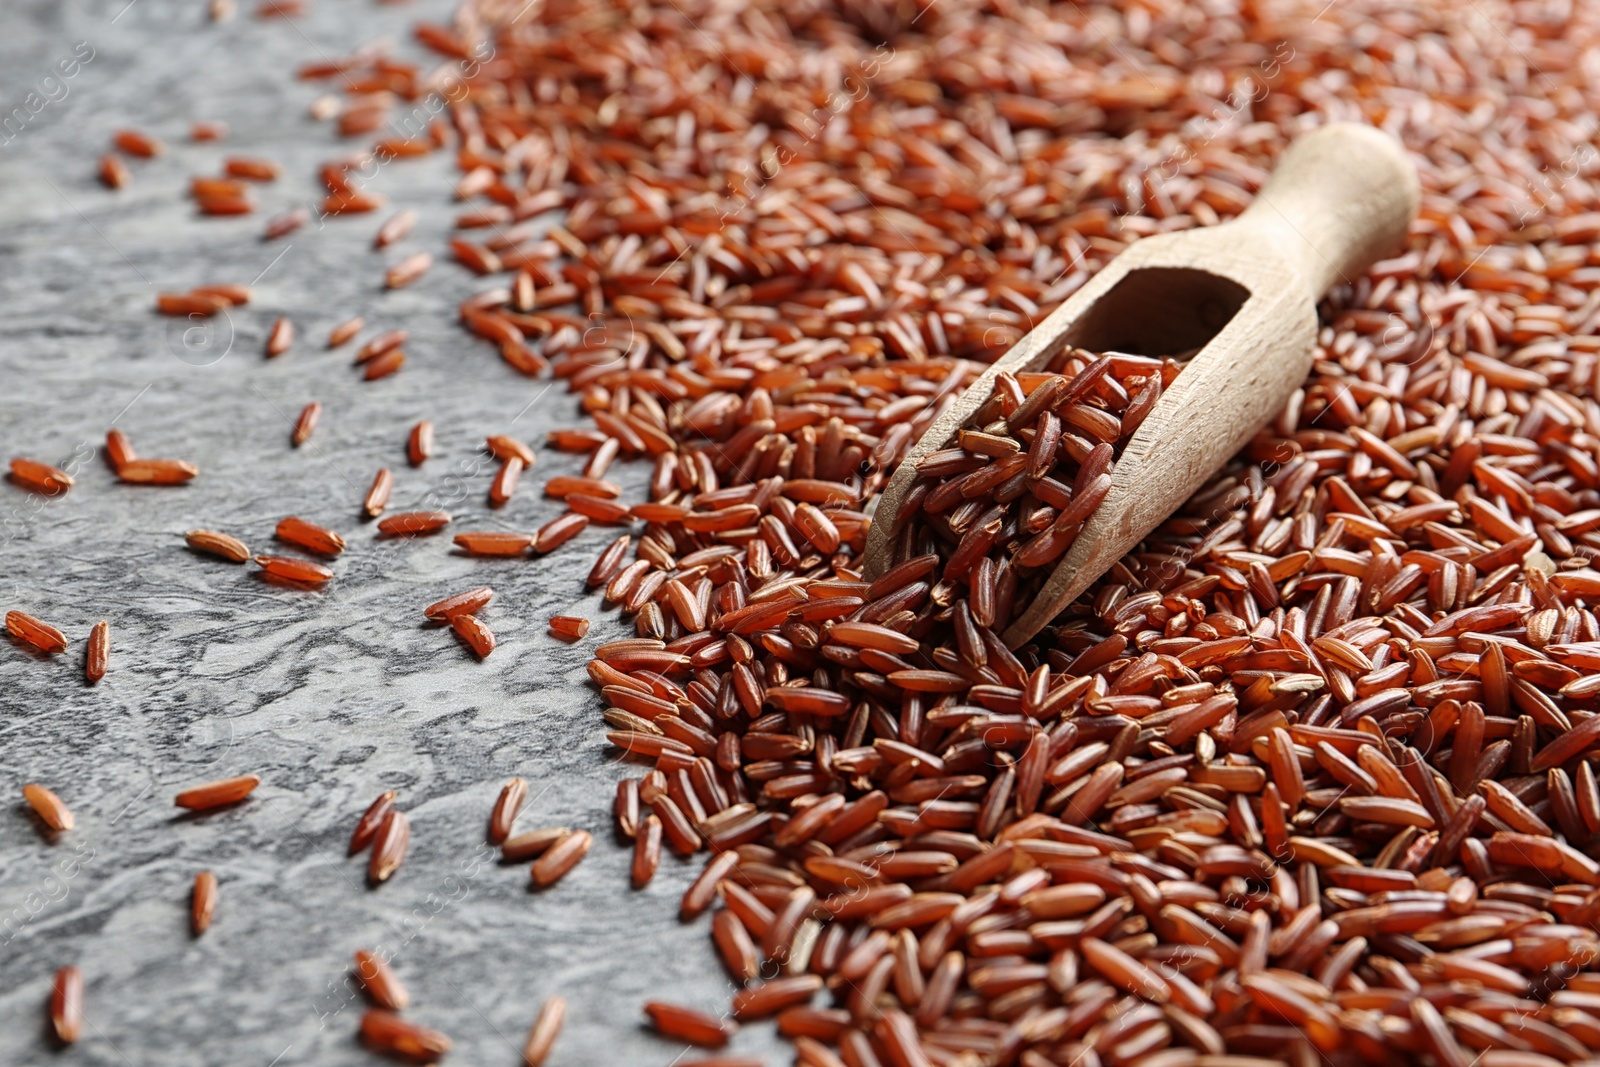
x: 331, y: 696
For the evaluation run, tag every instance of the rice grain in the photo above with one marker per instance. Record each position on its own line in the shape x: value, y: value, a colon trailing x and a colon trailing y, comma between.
x: 560, y: 858
x: 202, y: 902
x: 135, y: 143
x: 689, y: 1025
x: 305, y: 423
x: 466, y: 603
x: 279, y: 338
x: 217, y: 544
x: 157, y: 471
x: 66, y: 1005
x: 474, y: 633
x: 385, y: 365
x: 506, y: 808
x: 40, y: 477
x: 546, y: 1027
x: 408, y: 270
x: 113, y: 172
x: 378, y: 493
x: 384, y: 1031
x: 379, y: 981
x: 534, y: 843
x: 51, y: 811
x: 413, y: 523
x: 389, y: 846
x: 288, y: 568
x: 97, y: 652
x: 35, y: 633
x: 569, y: 627
x: 419, y: 443
x: 118, y: 450
x: 309, y: 536
x: 344, y: 331
x: 371, y: 819
x: 493, y: 543
x: 217, y: 794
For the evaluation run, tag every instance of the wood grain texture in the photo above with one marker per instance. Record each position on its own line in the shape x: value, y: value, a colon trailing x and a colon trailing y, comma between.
x: 1341, y: 198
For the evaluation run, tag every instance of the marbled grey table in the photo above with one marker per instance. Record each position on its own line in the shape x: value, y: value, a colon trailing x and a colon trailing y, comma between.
x: 331, y: 696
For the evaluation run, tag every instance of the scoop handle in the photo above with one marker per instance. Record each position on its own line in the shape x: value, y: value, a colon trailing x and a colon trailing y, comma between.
x: 1339, y: 200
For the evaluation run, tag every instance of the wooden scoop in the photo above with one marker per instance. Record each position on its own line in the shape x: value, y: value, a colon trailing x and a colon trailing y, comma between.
x: 1243, y: 293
